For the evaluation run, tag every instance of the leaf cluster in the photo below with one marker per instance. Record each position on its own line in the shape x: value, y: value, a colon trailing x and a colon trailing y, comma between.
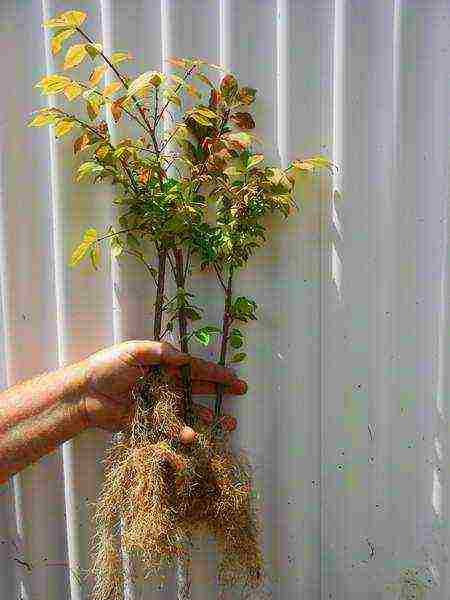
x: 169, y: 179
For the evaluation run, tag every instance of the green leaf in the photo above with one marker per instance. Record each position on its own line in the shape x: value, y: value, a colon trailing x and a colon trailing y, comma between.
x: 133, y: 241
x: 95, y: 255
x: 236, y: 339
x: 238, y: 357
x: 192, y: 314
x: 89, y: 238
x: 203, y: 337
x: 243, y: 309
x: 88, y: 167
x: 211, y: 329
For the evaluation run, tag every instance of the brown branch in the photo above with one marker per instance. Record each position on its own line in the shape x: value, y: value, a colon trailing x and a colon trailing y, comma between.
x: 227, y: 320
x: 182, y: 325
x: 162, y: 255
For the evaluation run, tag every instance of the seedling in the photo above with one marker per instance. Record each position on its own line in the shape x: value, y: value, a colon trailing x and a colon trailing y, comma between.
x: 167, y: 180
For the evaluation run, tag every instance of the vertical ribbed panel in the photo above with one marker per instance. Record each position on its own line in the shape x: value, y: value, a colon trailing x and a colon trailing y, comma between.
x: 84, y: 313
x: 36, y: 535
x: 346, y: 418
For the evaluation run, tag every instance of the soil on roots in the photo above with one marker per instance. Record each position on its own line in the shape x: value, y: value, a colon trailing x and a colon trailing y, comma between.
x: 150, y: 507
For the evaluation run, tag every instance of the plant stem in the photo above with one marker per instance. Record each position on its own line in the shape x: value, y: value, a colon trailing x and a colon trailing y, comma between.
x: 227, y: 320
x: 182, y: 324
x: 162, y: 256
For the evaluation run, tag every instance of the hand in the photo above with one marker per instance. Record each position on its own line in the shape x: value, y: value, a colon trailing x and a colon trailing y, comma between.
x: 113, y: 371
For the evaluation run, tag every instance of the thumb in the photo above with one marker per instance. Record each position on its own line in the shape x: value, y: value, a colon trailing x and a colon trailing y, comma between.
x: 187, y: 435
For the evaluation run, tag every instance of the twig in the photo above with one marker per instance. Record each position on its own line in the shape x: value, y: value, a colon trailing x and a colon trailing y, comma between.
x: 182, y: 324
x: 162, y: 255
x: 227, y: 320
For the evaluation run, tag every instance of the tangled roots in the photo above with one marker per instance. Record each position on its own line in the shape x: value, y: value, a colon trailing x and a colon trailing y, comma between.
x: 149, y: 507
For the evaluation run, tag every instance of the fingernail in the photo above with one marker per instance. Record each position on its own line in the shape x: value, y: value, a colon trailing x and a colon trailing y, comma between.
x: 241, y: 386
x: 188, y: 435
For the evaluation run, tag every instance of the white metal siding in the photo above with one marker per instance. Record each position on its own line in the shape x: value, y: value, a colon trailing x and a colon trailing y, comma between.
x: 347, y: 412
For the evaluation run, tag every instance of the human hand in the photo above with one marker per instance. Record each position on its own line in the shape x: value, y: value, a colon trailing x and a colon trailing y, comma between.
x: 112, y: 372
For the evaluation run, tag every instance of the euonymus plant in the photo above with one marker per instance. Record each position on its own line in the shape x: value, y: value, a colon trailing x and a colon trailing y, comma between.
x: 195, y: 154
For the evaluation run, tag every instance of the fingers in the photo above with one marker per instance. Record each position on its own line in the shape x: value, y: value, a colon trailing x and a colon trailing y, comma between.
x: 150, y: 353
x: 210, y: 371
x: 228, y: 422
x: 188, y: 435
x: 237, y: 387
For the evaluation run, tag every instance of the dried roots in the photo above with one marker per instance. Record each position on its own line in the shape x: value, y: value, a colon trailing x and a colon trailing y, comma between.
x: 160, y: 506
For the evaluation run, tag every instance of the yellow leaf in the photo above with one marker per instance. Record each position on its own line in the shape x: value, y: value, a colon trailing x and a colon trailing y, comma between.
x: 53, y: 84
x: 70, y: 17
x: 118, y: 57
x: 93, y: 110
x: 102, y: 151
x: 112, y: 88
x: 59, y: 38
x: 64, y: 127
x: 144, y: 81
x: 90, y: 237
x: 97, y: 75
x: 41, y: 120
x: 73, y: 90
x: 74, y: 56
x: 302, y: 165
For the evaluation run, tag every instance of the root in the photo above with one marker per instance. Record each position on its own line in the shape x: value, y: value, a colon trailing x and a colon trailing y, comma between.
x: 210, y: 492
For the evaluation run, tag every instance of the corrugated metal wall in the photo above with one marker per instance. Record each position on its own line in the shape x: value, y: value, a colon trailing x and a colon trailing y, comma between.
x: 347, y: 411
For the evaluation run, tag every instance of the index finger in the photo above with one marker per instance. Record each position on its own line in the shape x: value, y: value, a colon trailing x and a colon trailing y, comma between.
x: 201, y: 369
x: 204, y: 370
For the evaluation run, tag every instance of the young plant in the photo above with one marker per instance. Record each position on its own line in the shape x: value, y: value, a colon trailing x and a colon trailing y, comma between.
x: 166, y: 181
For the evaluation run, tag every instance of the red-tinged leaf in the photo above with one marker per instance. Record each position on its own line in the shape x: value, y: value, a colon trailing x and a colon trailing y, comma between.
x: 144, y: 176
x: 192, y: 91
x: 103, y: 128
x: 228, y: 88
x: 239, y: 140
x: 204, y: 79
x: 243, y: 120
x: 81, y: 143
x: 254, y: 160
x: 116, y: 108
x: 207, y: 143
x: 214, y: 98
x: 177, y: 62
x: 247, y: 95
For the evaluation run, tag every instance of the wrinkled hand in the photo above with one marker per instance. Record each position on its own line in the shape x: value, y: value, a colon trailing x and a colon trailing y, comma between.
x: 112, y: 372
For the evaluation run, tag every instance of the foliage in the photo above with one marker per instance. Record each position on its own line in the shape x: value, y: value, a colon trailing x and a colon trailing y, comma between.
x: 166, y: 181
